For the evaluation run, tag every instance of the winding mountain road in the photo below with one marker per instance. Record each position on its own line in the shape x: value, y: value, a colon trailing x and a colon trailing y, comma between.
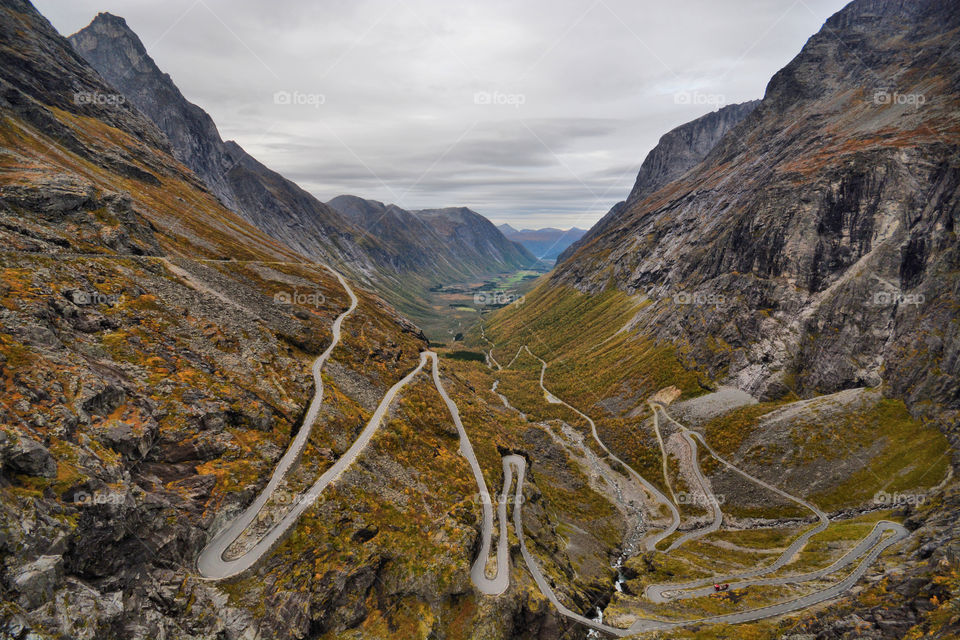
x: 663, y: 458
x: 705, y: 488
x: 658, y: 495
x: 515, y: 462
x: 800, y: 541
x: 656, y: 593
x: 499, y: 583
x: 211, y: 563
x: 489, y: 354
x: 869, y: 548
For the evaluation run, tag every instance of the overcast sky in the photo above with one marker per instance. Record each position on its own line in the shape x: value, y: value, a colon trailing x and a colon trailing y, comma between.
x: 537, y: 113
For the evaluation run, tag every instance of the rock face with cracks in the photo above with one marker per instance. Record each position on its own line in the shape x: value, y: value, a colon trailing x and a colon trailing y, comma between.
x: 814, y: 248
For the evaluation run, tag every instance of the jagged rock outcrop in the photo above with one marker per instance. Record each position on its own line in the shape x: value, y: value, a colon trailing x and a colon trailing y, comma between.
x: 25, y: 455
x: 60, y: 79
x: 684, y: 147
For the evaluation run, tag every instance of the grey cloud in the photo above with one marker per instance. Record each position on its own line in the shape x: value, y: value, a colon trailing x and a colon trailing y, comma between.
x: 592, y: 88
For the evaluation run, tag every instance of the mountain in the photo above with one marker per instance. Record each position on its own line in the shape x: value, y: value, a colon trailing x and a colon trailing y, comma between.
x: 155, y: 355
x: 807, y: 264
x: 677, y: 151
x: 261, y: 196
x: 546, y: 243
x: 466, y: 232
x: 159, y: 354
x: 157, y: 358
x: 682, y: 148
x: 506, y: 229
x: 401, y: 262
x: 824, y: 221
x: 456, y: 243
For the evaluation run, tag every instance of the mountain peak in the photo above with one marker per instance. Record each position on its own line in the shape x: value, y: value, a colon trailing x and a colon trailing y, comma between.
x: 683, y: 147
x: 105, y: 17
x: 452, y: 235
x: 111, y: 32
x: 348, y: 204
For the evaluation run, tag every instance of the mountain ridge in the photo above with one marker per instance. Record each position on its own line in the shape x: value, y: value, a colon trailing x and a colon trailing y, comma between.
x: 463, y: 243
x: 546, y: 243
x: 263, y: 197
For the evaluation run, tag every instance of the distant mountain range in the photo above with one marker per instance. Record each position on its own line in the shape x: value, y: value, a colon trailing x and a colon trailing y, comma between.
x: 455, y: 243
x: 398, y: 255
x: 546, y: 243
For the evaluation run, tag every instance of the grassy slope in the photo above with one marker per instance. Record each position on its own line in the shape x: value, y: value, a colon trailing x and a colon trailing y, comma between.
x: 607, y: 372
x: 594, y: 366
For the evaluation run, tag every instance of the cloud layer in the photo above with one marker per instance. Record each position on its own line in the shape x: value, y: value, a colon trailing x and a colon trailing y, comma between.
x: 536, y: 113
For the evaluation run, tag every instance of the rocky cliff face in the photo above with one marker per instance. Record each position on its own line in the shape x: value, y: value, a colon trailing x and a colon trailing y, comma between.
x: 109, y: 46
x: 814, y: 248
x: 677, y: 151
x: 681, y: 149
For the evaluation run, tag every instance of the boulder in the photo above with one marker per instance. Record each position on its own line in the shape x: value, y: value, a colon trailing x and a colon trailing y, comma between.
x: 24, y: 455
x: 132, y: 443
x: 37, y: 580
